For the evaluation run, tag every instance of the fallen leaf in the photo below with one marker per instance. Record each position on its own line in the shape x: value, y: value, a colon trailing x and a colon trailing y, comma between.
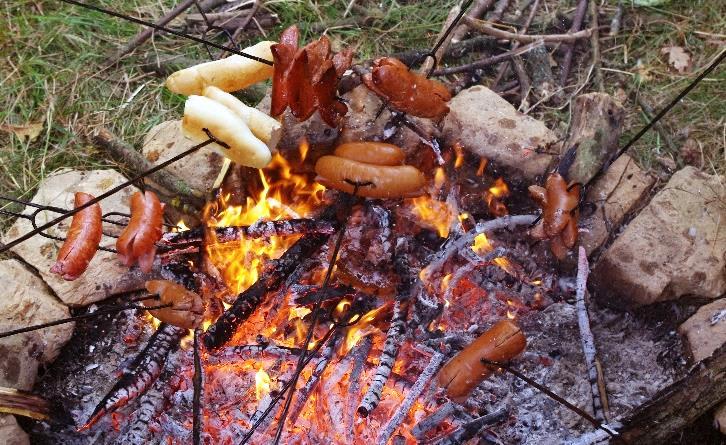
x: 27, y: 132
x: 678, y: 58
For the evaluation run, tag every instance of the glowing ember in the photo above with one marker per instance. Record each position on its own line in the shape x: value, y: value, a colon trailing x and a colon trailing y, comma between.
x: 304, y: 148
x: 482, y: 166
x: 482, y: 246
x: 263, y: 382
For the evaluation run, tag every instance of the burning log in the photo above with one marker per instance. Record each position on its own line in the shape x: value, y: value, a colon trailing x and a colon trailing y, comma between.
x: 360, y: 356
x: 222, y: 330
x: 308, y: 295
x: 260, y: 229
x: 307, y: 390
x: 149, y: 409
x: 234, y: 354
x: 411, y: 397
x: 465, y: 370
x: 142, y: 373
x: 471, y: 428
x: 394, y: 338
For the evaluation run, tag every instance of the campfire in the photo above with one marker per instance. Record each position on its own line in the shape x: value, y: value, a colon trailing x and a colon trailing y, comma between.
x: 376, y: 261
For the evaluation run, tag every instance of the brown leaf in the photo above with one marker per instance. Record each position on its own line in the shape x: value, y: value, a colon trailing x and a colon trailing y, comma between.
x: 678, y: 58
x: 27, y: 132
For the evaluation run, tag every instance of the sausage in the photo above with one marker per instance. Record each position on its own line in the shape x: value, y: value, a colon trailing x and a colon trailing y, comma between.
x: 232, y: 73
x: 283, y: 54
x: 187, y: 310
x: 465, y: 371
x: 82, y: 240
x: 376, y: 153
x: 201, y: 113
x: 402, y: 181
x: 560, y: 203
x: 407, y: 91
x: 138, y: 240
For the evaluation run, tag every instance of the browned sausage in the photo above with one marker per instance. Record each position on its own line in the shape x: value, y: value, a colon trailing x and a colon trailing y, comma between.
x: 82, y: 240
x: 465, y: 371
x: 376, y: 153
x: 400, y: 181
x: 560, y: 203
x: 187, y: 309
x: 138, y: 240
x: 407, y: 91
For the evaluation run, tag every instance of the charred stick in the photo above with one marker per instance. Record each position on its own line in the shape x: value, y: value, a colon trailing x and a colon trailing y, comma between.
x: 433, y: 420
x: 569, y: 49
x: 260, y: 229
x: 221, y: 331
x: 142, y: 373
x: 394, y: 338
x: 232, y: 354
x: 416, y: 390
x: 588, y: 340
x: 470, y: 429
x: 360, y: 356
x: 304, y: 393
x: 23, y: 403
x: 197, y: 400
x: 307, y: 295
x: 148, y: 32
x: 150, y: 407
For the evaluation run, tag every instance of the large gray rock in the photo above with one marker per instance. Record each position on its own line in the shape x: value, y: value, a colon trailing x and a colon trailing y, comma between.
x: 620, y: 191
x: 58, y: 190
x: 674, y: 247
x: 10, y: 431
x: 705, y: 331
x: 199, y: 169
x: 26, y: 301
x: 487, y: 125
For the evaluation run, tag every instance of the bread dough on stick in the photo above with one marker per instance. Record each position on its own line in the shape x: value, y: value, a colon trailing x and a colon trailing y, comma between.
x: 266, y: 128
x: 244, y: 148
x: 232, y: 73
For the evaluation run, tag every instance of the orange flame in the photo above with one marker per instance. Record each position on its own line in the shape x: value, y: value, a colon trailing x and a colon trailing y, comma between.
x: 304, y: 149
x: 431, y: 213
x: 482, y: 166
x: 494, y: 196
x: 459, y: 161
x: 263, y: 382
x: 363, y: 327
x: 284, y: 195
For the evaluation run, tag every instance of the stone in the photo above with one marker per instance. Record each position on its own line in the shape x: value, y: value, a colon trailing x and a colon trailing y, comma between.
x: 719, y: 418
x: 40, y: 252
x: 27, y: 301
x: 619, y: 192
x: 597, y: 122
x: 489, y: 126
x: 674, y: 247
x: 199, y: 169
x: 10, y: 431
x: 705, y: 331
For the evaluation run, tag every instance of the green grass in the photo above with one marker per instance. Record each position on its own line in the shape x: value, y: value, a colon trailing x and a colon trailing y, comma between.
x: 51, y: 55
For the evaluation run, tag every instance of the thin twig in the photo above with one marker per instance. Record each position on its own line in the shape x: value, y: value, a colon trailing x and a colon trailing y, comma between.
x: 570, y: 48
x: 515, y: 45
x: 488, y: 61
x: 430, y: 62
x: 588, y: 340
x: 482, y: 26
x: 595, y: 43
x: 478, y: 10
x: 144, y: 35
x: 617, y: 20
